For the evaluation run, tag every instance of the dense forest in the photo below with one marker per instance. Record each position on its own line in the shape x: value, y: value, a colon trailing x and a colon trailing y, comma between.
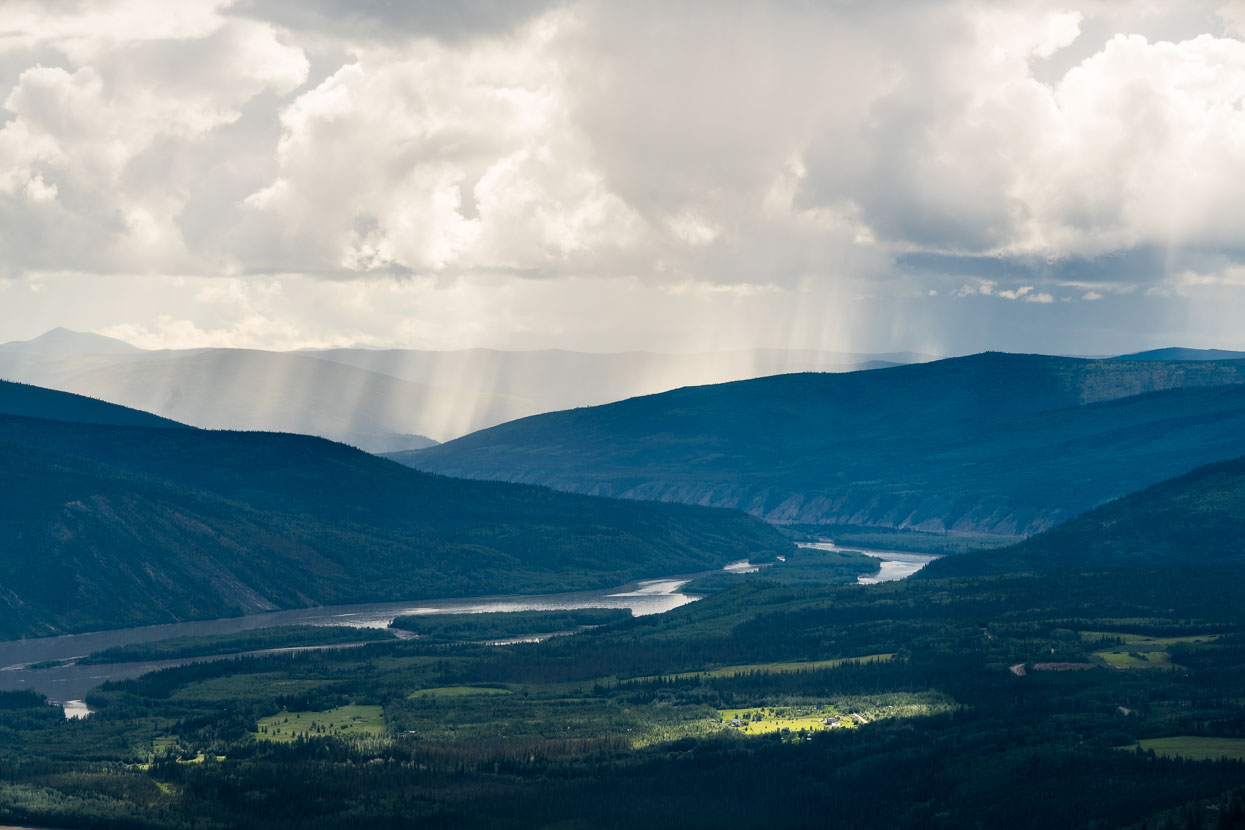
x: 1108, y: 697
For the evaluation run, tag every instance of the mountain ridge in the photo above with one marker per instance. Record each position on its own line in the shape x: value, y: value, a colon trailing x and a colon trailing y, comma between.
x: 912, y: 446
x: 105, y: 526
x: 1195, y: 518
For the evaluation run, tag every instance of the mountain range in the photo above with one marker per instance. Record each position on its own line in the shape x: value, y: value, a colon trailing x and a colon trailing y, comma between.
x: 993, y: 443
x: 379, y: 400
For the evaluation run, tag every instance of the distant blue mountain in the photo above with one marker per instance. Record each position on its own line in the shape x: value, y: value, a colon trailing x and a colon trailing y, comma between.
x: 992, y: 443
x: 1178, y: 353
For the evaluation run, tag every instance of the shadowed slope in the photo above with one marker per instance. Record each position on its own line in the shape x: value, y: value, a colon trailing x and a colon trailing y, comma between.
x: 37, y: 402
x: 990, y: 443
x: 1192, y: 520
x: 116, y: 526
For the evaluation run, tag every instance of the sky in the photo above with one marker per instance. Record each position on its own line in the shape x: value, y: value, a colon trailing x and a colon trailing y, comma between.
x: 943, y: 177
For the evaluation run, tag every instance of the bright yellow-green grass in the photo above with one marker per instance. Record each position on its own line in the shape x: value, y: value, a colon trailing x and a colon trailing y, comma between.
x: 344, y: 720
x: 773, y: 668
x: 458, y: 691
x: 764, y: 719
x: 1195, y: 748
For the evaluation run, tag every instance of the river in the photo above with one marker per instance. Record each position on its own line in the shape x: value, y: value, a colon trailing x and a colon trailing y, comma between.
x: 896, y: 564
x: 68, y: 685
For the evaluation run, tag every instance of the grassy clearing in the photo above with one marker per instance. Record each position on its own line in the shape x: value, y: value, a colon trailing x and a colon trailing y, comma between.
x: 769, y: 668
x: 762, y: 720
x: 1133, y: 641
x: 1139, y: 651
x: 353, y: 720
x: 458, y: 691
x: 1136, y: 659
x: 1195, y: 748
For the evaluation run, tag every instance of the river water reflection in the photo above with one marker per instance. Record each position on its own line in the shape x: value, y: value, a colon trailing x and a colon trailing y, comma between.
x: 68, y: 685
x: 896, y: 564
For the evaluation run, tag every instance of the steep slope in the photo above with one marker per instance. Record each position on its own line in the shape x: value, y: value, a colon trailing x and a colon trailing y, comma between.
x: 1195, y: 519
x: 104, y: 526
x: 990, y: 443
x: 37, y: 402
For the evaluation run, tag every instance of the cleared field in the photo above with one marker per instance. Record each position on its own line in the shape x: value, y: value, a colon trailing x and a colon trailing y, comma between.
x: 1140, y: 641
x: 344, y: 720
x: 458, y: 691
x: 769, y: 668
x: 762, y: 720
x: 1139, y: 651
x: 1195, y: 748
x: 1136, y: 659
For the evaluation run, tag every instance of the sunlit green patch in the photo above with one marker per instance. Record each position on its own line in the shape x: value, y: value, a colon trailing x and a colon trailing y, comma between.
x: 771, y: 668
x: 351, y: 720
x: 458, y: 691
x: 790, y: 721
x: 1195, y: 748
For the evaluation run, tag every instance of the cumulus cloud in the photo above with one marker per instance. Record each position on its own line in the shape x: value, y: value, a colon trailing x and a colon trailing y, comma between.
x: 96, y: 158
x: 933, y: 148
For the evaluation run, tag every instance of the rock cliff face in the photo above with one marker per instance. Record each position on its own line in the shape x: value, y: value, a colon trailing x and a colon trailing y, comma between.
x: 850, y: 506
x: 1005, y: 444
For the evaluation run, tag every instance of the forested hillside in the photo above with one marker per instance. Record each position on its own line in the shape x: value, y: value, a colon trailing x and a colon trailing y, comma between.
x: 37, y: 402
x: 993, y: 443
x: 1191, y: 521
x: 105, y: 526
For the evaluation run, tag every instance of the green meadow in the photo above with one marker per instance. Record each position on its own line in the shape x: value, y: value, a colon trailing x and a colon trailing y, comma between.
x: 1195, y: 748
x: 344, y: 721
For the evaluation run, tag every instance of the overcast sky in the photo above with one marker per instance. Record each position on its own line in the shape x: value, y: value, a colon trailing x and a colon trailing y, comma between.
x: 856, y: 176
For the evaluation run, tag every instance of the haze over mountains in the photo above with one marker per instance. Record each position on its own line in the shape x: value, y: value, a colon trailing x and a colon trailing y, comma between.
x: 991, y: 443
x: 383, y: 400
x: 107, y: 525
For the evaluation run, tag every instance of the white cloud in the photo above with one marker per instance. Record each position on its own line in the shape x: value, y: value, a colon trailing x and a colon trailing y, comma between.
x: 804, y: 147
x: 97, y: 159
x: 601, y: 140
